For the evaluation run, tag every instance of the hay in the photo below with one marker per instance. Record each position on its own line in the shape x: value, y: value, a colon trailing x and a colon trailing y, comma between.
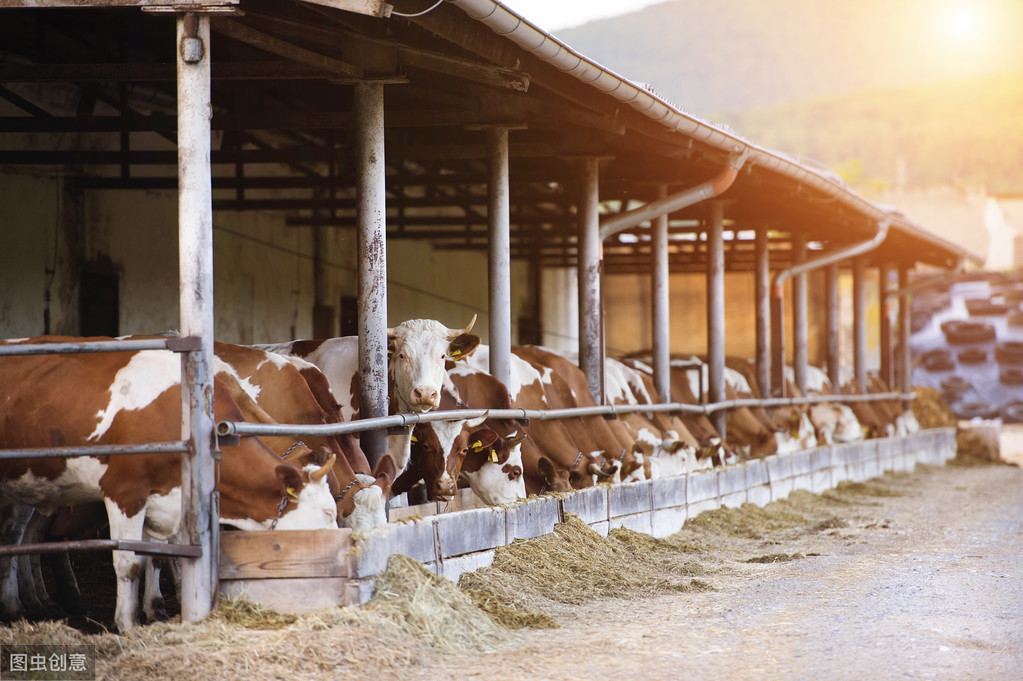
x: 973, y: 448
x: 245, y: 613
x: 775, y: 558
x: 931, y: 410
x: 575, y: 565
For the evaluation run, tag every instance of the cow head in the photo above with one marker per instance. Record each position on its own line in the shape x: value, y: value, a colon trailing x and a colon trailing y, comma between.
x: 418, y: 349
x: 493, y: 466
x: 361, y: 502
x: 308, y: 505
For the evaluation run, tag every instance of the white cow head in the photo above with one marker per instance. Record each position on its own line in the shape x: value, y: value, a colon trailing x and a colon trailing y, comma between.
x: 417, y: 350
x: 493, y: 466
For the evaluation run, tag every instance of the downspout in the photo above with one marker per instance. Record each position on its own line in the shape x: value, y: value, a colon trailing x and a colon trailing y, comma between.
x: 688, y: 197
x: 777, y: 299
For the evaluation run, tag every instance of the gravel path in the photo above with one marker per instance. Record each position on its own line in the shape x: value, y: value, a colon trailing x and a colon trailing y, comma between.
x: 925, y: 585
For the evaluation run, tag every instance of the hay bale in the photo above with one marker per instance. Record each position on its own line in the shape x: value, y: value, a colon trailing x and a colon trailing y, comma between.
x: 931, y: 410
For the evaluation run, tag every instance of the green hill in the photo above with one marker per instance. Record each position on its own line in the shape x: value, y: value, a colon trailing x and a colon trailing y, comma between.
x: 968, y: 132
x: 867, y: 87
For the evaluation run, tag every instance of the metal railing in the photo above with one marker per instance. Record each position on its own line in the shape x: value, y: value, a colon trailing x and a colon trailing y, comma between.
x: 229, y: 429
x: 175, y: 344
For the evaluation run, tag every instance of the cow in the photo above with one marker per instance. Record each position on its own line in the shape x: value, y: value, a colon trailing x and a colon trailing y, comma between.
x: 417, y: 351
x: 292, y: 390
x: 133, y: 397
x: 793, y: 429
x: 445, y: 453
x: 833, y: 422
x: 552, y: 460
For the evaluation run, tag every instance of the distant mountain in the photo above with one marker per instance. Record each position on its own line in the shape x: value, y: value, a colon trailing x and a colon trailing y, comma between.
x: 967, y: 132
x: 885, y: 91
x: 719, y: 55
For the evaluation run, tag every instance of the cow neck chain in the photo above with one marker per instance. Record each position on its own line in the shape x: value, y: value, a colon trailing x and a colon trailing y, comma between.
x: 341, y: 496
x: 298, y: 443
x: 576, y: 463
x: 280, y: 511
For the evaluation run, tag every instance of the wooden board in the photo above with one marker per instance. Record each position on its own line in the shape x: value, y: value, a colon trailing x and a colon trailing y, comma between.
x: 283, y: 554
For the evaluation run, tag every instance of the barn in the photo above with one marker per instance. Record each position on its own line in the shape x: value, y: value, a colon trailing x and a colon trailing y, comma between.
x: 333, y: 167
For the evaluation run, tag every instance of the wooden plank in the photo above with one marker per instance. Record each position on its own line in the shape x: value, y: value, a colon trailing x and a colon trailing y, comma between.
x: 295, y: 553
x: 297, y: 596
x: 284, y: 49
x: 373, y: 8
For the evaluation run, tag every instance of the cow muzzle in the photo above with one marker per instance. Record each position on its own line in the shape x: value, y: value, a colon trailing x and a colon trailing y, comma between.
x: 425, y: 397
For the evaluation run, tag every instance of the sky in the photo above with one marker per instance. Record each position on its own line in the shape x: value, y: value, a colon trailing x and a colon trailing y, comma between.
x: 554, y: 15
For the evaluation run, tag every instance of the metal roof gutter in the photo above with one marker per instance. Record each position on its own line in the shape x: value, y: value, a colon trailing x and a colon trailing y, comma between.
x: 541, y: 44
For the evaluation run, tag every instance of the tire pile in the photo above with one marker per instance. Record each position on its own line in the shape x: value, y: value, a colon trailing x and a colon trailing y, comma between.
x: 967, y: 342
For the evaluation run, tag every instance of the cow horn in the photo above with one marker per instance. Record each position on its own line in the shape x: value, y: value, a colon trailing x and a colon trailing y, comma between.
x: 472, y: 423
x: 318, y: 475
x: 594, y: 469
x: 455, y: 334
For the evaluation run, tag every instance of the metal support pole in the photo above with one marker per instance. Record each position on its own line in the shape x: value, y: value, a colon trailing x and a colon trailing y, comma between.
x: 591, y: 331
x: 905, y: 364
x: 860, y: 321
x: 372, y: 252
x: 887, y: 364
x: 833, y: 317
x: 716, y: 311
x: 762, y: 287
x: 800, y: 318
x: 200, y: 510
x: 498, y: 214
x: 659, y: 288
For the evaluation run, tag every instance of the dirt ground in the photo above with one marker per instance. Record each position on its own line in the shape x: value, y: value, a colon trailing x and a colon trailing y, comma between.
x: 910, y: 576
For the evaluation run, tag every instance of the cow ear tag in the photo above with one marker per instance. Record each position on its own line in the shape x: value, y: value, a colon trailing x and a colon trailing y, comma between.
x: 477, y: 445
x: 415, y: 439
x: 291, y: 493
x: 493, y: 455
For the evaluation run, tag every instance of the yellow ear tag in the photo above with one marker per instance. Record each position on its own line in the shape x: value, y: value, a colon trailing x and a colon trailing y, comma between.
x: 456, y: 352
x: 477, y: 445
x: 415, y: 439
x: 493, y: 455
x: 291, y: 493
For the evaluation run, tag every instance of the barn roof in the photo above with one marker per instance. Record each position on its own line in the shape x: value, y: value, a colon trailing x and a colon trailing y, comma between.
x: 282, y: 96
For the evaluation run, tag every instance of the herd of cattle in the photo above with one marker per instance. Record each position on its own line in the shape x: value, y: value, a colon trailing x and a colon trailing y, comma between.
x: 324, y: 482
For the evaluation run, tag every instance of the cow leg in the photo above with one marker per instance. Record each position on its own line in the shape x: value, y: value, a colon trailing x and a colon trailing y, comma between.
x: 36, y: 533
x: 12, y: 530
x: 128, y: 567
x: 68, y: 595
x: 153, y: 607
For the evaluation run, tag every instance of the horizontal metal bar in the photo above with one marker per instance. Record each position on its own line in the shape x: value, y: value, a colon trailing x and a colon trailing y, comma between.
x: 96, y: 450
x: 171, y: 343
x: 226, y: 428
x: 146, y: 548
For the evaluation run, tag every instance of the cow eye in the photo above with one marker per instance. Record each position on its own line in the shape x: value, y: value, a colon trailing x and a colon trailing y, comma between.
x: 401, y: 355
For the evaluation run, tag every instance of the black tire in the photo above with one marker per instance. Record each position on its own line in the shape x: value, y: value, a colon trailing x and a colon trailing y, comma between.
x: 1011, y: 376
x: 953, y: 385
x: 973, y: 410
x: 958, y: 332
x: 1015, y: 319
x: 972, y: 356
x: 1009, y: 352
x: 1013, y: 413
x: 977, y: 308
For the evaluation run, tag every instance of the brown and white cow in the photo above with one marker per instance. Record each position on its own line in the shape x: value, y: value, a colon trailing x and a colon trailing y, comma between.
x: 552, y: 460
x: 417, y: 351
x: 291, y: 390
x: 130, y: 398
x: 793, y: 429
x: 832, y: 421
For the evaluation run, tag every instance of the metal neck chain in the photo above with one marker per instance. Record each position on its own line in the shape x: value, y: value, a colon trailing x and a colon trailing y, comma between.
x: 298, y: 443
x: 577, y: 459
x: 280, y: 511
x: 341, y: 496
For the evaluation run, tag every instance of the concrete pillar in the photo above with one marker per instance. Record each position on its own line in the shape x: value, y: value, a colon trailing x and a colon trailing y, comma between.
x: 716, y: 311
x: 591, y: 327
x: 833, y: 322
x: 762, y: 289
x: 661, y: 315
x: 499, y: 218
x: 372, y: 252
x: 860, y: 321
x: 200, y: 508
x: 800, y: 318
x: 887, y: 363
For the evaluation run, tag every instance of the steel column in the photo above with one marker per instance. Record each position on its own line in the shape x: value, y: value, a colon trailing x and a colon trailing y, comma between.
x: 833, y: 317
x: 200, y: 511
x: 498, y: 213
x: 716, y: 311
x: 591, y: 331
x: 372, y: 253
x: 905, y: 365
x: 762, y: 288
x: 860, y: 321
x: 887, y: 364
x: 800, y: 318
x: 659, y: 290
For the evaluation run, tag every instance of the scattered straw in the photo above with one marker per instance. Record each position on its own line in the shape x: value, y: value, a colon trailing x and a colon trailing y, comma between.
x: 931, y: 410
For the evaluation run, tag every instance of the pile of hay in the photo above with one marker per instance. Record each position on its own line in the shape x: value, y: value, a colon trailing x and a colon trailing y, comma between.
x: 973, y: 447
x: 529, y: 579
x: 931, y: 410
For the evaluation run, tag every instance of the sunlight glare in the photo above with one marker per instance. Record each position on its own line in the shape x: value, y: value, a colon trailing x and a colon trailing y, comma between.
x: 963, y: 22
